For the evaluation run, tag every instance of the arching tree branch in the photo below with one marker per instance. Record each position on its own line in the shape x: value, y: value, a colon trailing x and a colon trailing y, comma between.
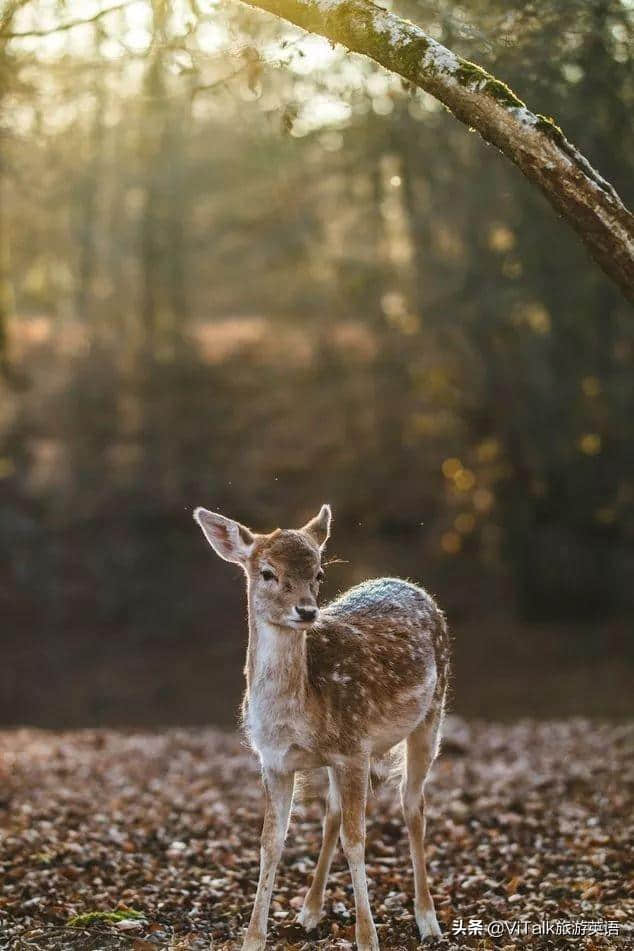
x: 533, y: 142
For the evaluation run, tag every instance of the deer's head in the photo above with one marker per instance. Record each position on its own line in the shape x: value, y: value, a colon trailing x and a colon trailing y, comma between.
x: 283, y: 569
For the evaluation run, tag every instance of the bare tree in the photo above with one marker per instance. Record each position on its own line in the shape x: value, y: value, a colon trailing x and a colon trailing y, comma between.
x: 533, y: 142
x: 7, y: 15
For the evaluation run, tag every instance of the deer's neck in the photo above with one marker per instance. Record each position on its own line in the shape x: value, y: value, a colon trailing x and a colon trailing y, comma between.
x: 276, y: 658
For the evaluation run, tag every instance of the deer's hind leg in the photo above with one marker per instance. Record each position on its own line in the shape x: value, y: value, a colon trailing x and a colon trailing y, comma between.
x: 311, y: 912
x: 422, y: 746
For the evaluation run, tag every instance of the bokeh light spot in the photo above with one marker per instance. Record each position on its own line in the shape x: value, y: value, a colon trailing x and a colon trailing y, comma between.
x: 451, y: 543
x: 591, y: 386
x: 464, y: 480
x: 450, y: 467
x: 590, y: 444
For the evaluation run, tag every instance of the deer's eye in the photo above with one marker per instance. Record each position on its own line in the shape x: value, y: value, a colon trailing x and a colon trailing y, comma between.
x: 319, y: 576
x: 268, y: 575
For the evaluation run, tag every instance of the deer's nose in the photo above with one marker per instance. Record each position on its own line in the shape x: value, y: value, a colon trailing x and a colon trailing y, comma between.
x: 307, y: 614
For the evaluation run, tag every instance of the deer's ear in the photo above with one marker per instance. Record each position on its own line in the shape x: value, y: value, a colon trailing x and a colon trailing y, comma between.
x: 229, y: 539
x: 319, y: 527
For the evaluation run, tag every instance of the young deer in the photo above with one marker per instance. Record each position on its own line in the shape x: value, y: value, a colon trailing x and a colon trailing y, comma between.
x: 336, y: 688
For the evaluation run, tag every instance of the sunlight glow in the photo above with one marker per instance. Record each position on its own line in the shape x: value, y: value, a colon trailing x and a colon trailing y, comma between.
x: 321, y: 111
x: 212, y: 37
x: 324, y: 77
x: 313, y: 53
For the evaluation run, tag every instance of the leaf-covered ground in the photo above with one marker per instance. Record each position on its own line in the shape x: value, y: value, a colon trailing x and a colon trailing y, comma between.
x: 527, y: 822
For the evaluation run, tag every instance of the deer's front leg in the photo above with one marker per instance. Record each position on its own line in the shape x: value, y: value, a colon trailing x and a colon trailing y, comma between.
x: 278, y: 789
x: 352, y: 787
x: 310, y: 914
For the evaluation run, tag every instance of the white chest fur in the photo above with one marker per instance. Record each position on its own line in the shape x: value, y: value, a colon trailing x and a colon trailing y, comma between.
x: 279, y: 734
x: 275, y: 715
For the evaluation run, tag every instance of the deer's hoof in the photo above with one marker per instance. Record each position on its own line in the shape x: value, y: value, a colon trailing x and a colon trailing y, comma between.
x: 309, y: 917
x: 428, y: 924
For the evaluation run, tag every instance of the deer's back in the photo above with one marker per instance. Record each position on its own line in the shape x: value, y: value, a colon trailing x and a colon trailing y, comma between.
x: 377, y: 659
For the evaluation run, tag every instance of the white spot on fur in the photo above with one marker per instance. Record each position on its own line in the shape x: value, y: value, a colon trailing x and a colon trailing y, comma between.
x: 340, y: 678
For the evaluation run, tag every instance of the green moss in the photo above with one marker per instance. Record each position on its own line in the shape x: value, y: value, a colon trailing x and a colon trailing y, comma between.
x: 354, y: 20
x: 355, y: 23
x: 470, y: 75
x: 549, y: 127
x: 90, y: 917
x: 413, y: 53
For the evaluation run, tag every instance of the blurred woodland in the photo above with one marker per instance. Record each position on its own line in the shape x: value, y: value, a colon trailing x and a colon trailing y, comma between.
x: 244, y: 269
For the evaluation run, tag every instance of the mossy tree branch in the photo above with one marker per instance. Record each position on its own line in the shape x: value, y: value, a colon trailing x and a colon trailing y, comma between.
x: 589, y: 204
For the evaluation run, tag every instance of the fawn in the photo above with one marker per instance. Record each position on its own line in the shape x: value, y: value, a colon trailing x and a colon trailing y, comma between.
x: 336, y: 688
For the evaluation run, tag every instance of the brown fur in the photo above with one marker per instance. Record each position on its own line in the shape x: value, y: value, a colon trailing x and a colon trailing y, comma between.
x: 335, y: 691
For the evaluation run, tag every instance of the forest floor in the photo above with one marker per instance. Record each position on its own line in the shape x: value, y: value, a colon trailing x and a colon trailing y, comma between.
x: 528, y: 823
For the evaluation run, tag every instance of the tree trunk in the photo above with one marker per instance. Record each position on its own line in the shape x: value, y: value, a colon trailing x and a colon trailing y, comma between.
x: 6, y: 287
x: 88, y: 188
x: 531, y: 141
x: 7, y: 299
